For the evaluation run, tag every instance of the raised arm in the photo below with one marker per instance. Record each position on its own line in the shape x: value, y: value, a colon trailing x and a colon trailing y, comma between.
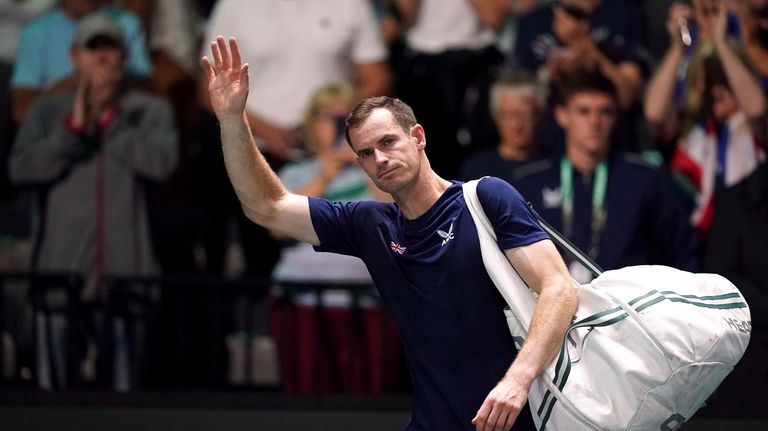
x: 659, y: 108
x: 749, y: 32
x: 744, y: 85
x: 542, y: 268
x: 263, y: 197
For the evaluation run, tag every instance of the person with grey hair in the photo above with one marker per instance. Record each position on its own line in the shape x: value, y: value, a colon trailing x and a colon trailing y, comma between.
x: 87, y: 154
x: 515, y: 104
x: 43, y: 63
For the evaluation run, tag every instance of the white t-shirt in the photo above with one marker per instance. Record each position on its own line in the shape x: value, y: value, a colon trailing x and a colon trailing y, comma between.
x: 294, y: 47
x: 448, y: 24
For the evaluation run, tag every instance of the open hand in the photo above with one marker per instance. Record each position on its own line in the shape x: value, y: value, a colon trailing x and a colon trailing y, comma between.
x: 227, y: 79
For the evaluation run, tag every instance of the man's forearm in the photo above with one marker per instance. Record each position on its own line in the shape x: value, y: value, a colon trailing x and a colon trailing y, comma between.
x: 372, y: 79
x: 553, y: 314
x: 626, y: 78
x: 255, y: 183
x: 745, y: 87
x: 492, y: 13
x: 660, y: 89
x: 758, y: 56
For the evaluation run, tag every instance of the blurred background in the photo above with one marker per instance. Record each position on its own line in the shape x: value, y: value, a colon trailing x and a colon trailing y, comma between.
x: 134, y: 293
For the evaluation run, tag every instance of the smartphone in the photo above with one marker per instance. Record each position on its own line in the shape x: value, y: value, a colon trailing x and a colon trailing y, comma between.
x: 685, y: 31
x: 685, y: 25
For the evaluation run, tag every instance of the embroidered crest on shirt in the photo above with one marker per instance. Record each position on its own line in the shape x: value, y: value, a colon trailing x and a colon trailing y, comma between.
x: 446, y: 236
x: 397, y: 248
x: 551, y: 198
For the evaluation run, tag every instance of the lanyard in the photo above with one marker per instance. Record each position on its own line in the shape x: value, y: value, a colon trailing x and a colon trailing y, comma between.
x: 599, y: 186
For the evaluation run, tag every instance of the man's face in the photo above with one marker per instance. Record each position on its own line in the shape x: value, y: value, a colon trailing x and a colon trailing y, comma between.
x: 515, y: 118
x: 588, y: 120
x: 100, y: 61
x: 390, y: 156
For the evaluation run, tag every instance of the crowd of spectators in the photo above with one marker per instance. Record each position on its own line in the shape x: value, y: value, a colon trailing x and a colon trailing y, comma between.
x: 111, y: 162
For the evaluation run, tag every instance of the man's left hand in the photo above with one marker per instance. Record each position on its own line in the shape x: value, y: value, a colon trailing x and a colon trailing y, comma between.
x: 501, y: 407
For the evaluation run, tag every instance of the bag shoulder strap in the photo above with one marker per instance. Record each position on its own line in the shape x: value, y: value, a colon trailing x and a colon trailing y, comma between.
x: 518, y: 296
x: 567, y: 245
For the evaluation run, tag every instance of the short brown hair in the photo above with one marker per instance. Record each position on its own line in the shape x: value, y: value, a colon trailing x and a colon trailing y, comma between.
x: 585, y: 81
x: 400, y: 110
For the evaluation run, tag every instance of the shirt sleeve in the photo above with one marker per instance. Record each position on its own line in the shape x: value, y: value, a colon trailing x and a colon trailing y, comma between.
x: 367, y: 44
x: 334, y: 224
x: 44, y: 148
x: 512, y: 220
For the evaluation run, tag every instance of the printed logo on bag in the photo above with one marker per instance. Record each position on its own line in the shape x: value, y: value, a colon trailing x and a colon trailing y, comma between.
x: 446, y: 236
x: 742, y: 326
x: 397, y: 248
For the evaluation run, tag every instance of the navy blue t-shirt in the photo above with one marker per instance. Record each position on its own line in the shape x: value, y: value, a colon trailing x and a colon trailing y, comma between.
x: 617, y: 30
x: 645, y: 223
x: 431, y: 277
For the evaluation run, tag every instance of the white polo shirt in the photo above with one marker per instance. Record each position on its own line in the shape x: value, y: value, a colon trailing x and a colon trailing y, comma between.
x: 294, y: 47
x: 448, y: 24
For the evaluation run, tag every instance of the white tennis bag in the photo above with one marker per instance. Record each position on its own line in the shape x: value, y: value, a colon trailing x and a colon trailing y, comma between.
x: 647, y: 347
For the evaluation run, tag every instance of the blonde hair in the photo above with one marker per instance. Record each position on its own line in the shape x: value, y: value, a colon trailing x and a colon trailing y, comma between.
x: 342, y: 92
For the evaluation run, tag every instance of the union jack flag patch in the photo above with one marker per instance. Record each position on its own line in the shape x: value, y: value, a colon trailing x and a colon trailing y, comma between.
x: 397, y: 248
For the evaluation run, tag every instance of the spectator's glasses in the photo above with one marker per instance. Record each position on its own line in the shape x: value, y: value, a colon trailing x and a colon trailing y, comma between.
x: 102, y: 42
x: 574, y: 11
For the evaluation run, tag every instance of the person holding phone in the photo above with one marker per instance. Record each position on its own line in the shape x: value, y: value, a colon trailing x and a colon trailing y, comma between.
x: 713, y: 122
x: 329, y: 171
x: 569, y: 35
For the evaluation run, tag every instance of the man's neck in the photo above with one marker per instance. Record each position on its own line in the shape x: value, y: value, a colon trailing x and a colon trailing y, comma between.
x: 584, y: 161
x: 418, y: 198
